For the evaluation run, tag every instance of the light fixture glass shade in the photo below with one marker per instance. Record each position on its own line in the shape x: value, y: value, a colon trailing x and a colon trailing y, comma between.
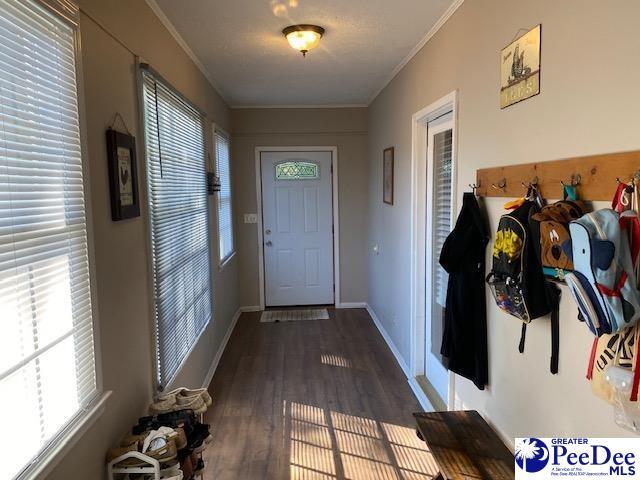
x: 303, y: 37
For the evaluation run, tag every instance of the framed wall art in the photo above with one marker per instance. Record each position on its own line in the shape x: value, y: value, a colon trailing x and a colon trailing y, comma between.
x: 520, y: 68
x: 123, y: 175
x: 387, y: 176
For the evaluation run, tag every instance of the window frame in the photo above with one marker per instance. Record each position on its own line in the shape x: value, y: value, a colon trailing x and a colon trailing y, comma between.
x: 141, y: 67
x: 55, y: 451
x: 223, y: 261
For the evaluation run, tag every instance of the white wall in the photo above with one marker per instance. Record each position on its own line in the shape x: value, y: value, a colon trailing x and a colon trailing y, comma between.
x: 121, y: 248
x: 589, y: 104
x: 344, y: 128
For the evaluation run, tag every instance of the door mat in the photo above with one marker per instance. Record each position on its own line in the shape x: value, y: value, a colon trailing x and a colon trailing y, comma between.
x: 270, y: 316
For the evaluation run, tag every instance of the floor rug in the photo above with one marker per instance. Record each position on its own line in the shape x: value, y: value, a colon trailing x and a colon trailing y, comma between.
x: 270, y: 316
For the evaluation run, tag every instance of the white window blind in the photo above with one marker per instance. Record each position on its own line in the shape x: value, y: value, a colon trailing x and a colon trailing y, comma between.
x: 442, y: 205
x: 225, y: 207
x: 47, y: 365
x: 176, y: 177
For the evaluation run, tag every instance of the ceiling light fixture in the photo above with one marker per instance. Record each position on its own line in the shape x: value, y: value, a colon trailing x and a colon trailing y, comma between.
x: 303, y: 37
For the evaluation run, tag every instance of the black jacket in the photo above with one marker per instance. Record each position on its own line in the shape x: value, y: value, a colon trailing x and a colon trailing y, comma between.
x: 464, y: 338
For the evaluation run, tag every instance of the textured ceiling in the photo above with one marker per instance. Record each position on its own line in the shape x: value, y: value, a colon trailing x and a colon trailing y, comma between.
x: 240, y: 44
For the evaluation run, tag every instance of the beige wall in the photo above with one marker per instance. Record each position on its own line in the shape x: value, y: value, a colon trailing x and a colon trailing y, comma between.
x: 121, y: 248
x: 589, y: 104
x: 341, y: 127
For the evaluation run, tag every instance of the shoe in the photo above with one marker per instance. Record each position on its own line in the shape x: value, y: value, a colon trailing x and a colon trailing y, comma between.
x: 172, y: 472
x: 179, y: 437
x: 198, y: 438
x: 160, y: 447
x: 136, y: 440
x: 164, y: 404
x: 186, y: 465
x: 180, y: 418
x: 116, y: 452
x: 199, y: 470
x: 186, y: 393
x: 175, y: 401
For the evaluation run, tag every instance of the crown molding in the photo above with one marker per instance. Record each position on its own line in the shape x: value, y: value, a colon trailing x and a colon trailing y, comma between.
x: 328, y: 105
x: 153, y: 5
x: 437, y: 26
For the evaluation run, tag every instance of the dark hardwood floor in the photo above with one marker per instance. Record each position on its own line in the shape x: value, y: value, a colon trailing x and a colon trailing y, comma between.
x: 312, y: 400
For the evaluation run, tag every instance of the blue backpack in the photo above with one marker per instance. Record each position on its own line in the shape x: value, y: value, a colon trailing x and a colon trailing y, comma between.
x: 603, y: 282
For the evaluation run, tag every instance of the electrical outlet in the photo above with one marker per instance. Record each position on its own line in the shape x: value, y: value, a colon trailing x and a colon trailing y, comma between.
x: 250, y: 218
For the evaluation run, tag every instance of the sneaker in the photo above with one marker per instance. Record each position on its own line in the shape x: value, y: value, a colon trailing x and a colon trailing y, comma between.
x: 174, y: 401
x: 185, y: 393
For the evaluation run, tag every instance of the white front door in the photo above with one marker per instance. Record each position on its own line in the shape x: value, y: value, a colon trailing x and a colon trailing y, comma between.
x: 297, y: 224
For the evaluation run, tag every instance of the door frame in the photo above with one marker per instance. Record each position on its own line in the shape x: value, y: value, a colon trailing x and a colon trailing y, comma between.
x: 420, y: 186
x: 335, y: 214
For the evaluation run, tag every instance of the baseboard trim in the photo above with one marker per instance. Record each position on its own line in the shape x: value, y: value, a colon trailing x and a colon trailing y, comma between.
x: 251, y: 308
x: 223, y: 345
x: 351, y: 305
x: 411, y: 380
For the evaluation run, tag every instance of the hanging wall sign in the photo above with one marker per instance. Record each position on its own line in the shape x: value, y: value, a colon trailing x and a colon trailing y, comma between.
x: 387, y: 176
x: 520, y: 68
x: 123, y: 175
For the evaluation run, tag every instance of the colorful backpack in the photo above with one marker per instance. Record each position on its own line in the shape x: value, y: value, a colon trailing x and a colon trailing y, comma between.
x: 551, y: 226
x: 620, y: 350
x: 603, y: 282
x: 516, y: 280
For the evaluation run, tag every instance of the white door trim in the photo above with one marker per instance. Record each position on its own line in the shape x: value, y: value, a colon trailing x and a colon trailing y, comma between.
x: 419, y: 187
x: 336, y: 214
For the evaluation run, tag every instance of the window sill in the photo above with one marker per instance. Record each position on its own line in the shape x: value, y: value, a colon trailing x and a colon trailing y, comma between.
x: 44, y: 465
x: 225, y: 261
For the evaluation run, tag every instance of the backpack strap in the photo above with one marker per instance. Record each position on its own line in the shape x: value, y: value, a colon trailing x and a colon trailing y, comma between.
x: 554, y: 299
x: 592, y: 358
x: 569, y: 193
x: 554, y: 295
x: 523, y: 336
x: 636, y: 372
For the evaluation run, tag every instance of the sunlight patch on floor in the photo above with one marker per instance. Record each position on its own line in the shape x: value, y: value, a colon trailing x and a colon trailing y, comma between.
x: 335, y: 360
x: 329, y: 445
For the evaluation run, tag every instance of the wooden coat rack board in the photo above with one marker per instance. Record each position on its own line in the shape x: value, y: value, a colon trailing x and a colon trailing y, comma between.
x: 597, y: 176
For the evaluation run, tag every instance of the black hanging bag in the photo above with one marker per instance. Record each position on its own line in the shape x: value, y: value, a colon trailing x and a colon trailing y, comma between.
x: 516, y: 278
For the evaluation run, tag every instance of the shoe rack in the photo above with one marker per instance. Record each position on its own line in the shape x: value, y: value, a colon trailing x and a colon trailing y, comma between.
x: 594, y: 176
x: 117, y: 467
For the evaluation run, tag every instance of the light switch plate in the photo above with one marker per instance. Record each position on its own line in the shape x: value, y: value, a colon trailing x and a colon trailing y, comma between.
x: 250, y: 218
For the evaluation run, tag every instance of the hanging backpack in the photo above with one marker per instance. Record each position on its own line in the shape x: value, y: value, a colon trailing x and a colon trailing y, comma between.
x: 551, y: 227
x: 603, y: 282
x: 615, y: 350
x: 516, y: 279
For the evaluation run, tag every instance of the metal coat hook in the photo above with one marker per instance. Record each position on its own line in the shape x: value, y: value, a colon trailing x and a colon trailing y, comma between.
x: 532, y: 183
x: 575, y: 180
x: 502, y: 184
x: 473, y: 187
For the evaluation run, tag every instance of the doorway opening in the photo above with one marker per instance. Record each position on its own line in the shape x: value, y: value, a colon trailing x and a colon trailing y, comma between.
x: 433, y: 208
x: 298, y: 231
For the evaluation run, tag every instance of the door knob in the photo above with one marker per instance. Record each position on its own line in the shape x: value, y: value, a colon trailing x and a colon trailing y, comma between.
x: 267, y: 232
x: 268, y: 244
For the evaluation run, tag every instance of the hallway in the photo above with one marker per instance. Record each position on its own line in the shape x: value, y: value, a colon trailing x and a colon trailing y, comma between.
x: 318, y: 399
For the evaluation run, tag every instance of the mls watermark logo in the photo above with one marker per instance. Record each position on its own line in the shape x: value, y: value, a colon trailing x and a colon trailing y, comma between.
x: 532, y: 454
x: 578, y: 458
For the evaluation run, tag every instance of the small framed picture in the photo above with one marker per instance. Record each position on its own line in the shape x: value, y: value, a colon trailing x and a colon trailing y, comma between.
x: 123, y: 175
x: 387, y: 175
x: 520, y: 68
